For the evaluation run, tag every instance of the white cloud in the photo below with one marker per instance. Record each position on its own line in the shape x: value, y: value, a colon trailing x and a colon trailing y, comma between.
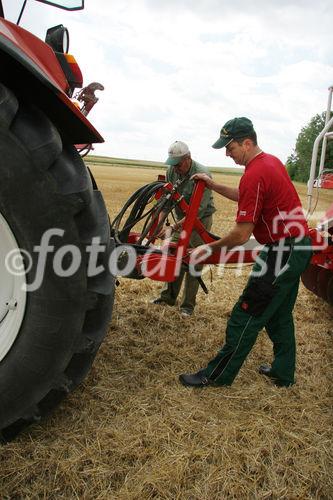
x: 180, y: 69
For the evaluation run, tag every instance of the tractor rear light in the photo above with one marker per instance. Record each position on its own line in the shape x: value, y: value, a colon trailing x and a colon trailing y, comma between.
x: 75, y: 69
x: 71, y: 71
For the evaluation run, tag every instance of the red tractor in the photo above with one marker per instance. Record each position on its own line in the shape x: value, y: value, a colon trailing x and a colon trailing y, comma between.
x: 52, y: 321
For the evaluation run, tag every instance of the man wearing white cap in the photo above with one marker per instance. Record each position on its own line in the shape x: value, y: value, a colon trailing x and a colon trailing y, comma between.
x: 181, y: 166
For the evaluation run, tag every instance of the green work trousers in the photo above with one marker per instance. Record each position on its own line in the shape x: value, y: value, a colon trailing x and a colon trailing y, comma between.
x: 267, y: 301
x: 171, y: 290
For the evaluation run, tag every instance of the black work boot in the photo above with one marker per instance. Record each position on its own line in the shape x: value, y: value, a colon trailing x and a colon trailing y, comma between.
x: 265, y: 370
x: 161, y: 302
x: 197, y: 379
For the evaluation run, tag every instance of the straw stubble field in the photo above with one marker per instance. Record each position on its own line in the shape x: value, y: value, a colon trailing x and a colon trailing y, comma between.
x: 132, y: 432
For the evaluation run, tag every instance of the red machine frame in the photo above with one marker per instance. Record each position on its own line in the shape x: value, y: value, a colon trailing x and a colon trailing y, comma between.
x: 163, y: 264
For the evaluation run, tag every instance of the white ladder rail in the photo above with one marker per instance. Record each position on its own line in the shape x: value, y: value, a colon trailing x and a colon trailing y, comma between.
x: 324, y: 135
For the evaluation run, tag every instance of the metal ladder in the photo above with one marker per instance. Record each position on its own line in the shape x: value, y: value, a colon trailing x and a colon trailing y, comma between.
x: 324, y: 135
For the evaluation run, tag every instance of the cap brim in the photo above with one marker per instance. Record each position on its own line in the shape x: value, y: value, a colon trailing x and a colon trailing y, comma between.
x: 222, y: 142
x: 173, y: 161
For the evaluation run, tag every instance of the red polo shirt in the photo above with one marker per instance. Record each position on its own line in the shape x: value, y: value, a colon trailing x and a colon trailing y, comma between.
x: 267, y: 198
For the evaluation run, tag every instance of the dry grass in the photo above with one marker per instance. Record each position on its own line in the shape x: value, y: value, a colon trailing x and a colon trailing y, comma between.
x: 132, y: 432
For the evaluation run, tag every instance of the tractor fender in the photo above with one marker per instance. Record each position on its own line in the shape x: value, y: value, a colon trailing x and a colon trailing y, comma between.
x: 32, y: 71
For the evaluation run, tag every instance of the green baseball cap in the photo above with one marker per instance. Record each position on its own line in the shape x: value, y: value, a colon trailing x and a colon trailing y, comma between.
x: 234, y: 129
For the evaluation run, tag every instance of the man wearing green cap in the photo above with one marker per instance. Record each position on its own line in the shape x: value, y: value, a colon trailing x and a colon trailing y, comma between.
x: 268, y: 207
x: 181, y: 166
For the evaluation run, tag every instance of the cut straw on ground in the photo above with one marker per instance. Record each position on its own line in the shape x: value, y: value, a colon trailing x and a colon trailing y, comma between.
x: 131, y: 431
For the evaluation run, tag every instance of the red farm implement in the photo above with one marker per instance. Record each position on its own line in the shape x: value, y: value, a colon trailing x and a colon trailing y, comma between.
x: 163, y: 263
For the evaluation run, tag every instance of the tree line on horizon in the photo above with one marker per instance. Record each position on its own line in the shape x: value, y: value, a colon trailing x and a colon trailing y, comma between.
x: 299, y: 162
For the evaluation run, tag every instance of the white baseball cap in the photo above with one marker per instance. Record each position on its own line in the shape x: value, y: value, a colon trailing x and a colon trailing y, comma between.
x: 176, y: 152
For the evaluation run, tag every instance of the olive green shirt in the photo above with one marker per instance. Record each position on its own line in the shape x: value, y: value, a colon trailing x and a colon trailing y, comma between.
x: 207, y: 203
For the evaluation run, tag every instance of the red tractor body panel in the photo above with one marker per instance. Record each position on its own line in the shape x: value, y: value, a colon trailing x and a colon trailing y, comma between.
x: 37, y: 51
x: 327, y: 182
x: 30, y: 67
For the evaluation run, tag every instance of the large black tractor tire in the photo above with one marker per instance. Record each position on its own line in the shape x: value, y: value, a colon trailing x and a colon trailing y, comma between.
x: 44, y: 184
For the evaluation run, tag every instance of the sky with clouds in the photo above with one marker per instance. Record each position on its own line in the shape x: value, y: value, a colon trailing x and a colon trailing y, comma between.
x: 179, y: 69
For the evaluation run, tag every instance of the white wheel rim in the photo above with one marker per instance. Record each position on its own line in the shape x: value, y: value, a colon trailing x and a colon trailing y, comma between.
x: 12, y: 289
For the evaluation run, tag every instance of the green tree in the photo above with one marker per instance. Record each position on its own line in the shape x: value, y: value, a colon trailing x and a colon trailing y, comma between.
x: 291, y: 165
x: 299, y: 162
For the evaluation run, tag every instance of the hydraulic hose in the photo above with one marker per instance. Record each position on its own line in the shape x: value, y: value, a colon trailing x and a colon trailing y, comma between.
x: 137, y: 204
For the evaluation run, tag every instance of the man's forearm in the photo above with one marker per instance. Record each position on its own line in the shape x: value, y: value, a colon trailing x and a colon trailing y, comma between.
x: 237, y: 236
x: 226, y: 191
x: 229, y: 241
